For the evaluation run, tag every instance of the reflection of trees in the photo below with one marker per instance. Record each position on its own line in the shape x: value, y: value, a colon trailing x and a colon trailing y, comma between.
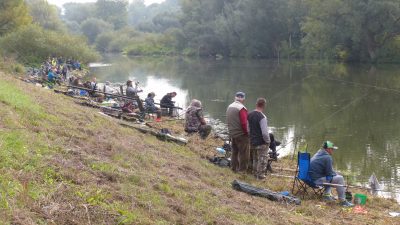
x: 303, y: 96
x: 369, y: 122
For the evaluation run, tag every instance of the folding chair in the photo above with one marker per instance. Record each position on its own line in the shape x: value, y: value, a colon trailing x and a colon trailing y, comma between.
x: 302, y: 181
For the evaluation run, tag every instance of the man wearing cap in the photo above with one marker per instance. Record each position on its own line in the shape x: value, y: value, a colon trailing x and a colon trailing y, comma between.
x: 236, y: 118
x: 321, y: 171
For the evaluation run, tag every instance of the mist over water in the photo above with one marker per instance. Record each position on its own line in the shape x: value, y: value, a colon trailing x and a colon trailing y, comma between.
x: 355, y: 106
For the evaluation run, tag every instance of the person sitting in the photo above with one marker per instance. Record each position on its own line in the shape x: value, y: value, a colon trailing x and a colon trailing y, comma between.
x: 151, y: 107
x: 93, y: 84
x: 64, y: 72
x: 194, y: 120
x: 51, y: 77
x: 131, y: 92
x: 321, y: 171
x: 166, y: 102
x: 274, y: 143
x: 107, y: 89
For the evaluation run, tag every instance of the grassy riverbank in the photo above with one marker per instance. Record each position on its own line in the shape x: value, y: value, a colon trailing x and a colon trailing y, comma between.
x: 61, y: 163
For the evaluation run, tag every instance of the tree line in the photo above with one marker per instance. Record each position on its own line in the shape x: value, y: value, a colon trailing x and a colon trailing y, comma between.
x: 357, y: 30
x: 349, y: 31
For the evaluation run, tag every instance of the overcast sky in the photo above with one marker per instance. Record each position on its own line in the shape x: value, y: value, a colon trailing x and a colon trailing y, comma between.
x: 61, y: 2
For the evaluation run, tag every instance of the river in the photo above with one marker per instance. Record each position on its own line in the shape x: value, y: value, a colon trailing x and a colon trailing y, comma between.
x: 355, y: 106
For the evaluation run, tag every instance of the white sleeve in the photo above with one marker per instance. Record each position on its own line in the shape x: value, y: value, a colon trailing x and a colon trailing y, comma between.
x: 264, y: 130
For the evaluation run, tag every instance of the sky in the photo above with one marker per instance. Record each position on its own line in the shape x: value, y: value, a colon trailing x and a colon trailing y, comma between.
x: 61, y: 2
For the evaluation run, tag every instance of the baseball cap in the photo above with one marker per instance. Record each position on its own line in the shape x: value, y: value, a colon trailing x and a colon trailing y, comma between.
x: 240, y: 94
x: 329, y: 144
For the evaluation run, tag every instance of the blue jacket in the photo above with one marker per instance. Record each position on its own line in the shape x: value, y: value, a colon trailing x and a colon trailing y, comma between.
x: 51, y: 76
x: 321, y: 166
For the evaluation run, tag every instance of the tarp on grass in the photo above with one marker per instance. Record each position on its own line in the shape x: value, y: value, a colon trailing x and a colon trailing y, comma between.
x: 265, y: 193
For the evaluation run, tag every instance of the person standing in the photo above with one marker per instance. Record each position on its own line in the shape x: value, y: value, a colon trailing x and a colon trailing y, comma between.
x: 236, y: 118
x: 259, y: 139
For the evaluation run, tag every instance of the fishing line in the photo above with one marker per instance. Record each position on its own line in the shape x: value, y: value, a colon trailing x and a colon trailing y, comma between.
x: 290, y: 86
x: 397, y: 91
x: 329, y: 116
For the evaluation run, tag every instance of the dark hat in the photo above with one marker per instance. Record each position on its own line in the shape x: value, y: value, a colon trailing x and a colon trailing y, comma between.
x: 240, y: 94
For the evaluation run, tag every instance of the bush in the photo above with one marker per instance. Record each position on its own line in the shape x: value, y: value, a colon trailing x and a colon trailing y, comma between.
x: 11, y: 66
x: 32, y: 44
x: 150, y: 44
x: 103, y: 41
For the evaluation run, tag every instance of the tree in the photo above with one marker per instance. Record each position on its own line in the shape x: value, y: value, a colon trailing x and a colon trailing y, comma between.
x: 79, y: 12
x: 357, y: 28
x: 13, y: 14
x: 113, y: 11
x: 46, y: 15
x: 379, y: 22
x: 92, y: 27
x: 198, y: 22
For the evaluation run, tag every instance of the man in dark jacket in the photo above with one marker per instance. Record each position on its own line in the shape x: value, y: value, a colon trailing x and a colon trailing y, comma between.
x: 321, y: 171
x: 236, y: 118
x: 259, y: 139
x: 166, y: 102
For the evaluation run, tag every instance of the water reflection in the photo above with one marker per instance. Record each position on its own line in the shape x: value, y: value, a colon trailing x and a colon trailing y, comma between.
x: 161, y: 86
x: 356, y: 106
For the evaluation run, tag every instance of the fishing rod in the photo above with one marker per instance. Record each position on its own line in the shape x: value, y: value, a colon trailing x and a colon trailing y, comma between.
x: 329, y: 116
x: 117, y: 96
x: 137, y: 86
x: 397, y: 91
x: 102, y: 92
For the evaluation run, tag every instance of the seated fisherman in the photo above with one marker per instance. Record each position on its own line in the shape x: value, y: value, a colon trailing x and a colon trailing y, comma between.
x: 321, y: 171
x: 274, y: 143
x: 166, y: 102
x: 194, y: 120
x: 131, y: 92
x: 51, y: 77
x: 151, y: 107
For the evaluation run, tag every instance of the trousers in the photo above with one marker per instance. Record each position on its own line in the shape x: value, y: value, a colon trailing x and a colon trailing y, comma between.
x: 240, y: 153
x: 338, y: 179
x: 260, y: 159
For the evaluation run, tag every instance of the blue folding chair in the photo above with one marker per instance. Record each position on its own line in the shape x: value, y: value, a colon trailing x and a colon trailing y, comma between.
x: 302, y: 180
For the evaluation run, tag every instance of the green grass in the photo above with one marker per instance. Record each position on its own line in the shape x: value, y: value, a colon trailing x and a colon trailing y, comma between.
x: 21, y: 103
x: 56, y: 156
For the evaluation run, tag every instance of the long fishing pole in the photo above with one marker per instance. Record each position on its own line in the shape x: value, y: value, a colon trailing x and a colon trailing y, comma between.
x: 329, y: 116
x: 115, y: 95
x: 364, y: 85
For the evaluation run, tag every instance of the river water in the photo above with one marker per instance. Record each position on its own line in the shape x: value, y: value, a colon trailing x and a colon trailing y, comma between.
x: 355, y: 106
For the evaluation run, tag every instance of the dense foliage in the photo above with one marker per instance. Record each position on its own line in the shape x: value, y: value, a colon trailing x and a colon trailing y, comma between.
x: 32, y: 30
x: 349, y: 31
x: 32, y: 44
x: 13, y: 13
x: 357, y: 30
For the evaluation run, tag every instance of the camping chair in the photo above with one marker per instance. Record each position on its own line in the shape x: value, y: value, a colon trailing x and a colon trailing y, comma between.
x: 302, y: 181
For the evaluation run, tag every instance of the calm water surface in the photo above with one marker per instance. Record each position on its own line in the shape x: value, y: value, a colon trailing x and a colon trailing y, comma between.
x: 357, y: 107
